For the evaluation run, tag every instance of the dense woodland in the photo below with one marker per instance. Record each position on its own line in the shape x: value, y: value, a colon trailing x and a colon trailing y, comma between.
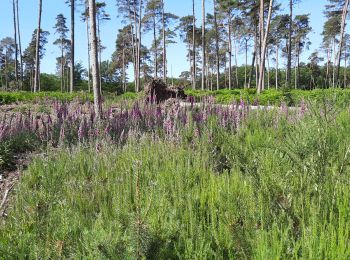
x: 260, y: 33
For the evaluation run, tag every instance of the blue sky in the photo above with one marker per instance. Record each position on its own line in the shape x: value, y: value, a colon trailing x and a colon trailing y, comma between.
x: 176, y: 52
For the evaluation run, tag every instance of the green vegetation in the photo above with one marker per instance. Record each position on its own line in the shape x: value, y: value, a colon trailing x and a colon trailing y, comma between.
x: 273, y: 97
x: 23, y: 96
x: 16, y: 145
x: 275, y: 188
x: 223, y: 96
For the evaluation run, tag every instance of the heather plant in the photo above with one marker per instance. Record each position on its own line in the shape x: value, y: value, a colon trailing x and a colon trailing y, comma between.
x: 168, y: 182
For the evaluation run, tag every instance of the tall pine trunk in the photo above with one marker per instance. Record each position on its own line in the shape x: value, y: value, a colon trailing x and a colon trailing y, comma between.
x: 289, y: 57
x: 164, y: 46
x: 268, y: 69
x: 62, y: 67
x: 94, y: 59
x: 19, y: 46
x: 246, y: 63
x: 132, y: 20
x: 345, y: 67
x: 264, y: 46
x: 194, y: 46
x: 139, y: 49
x: 217, y: 58
x: 334, y: 62
x: 99, y: 46
x: 155, y: 47
x: 37, y: 49
x: 229, y: 50
x: 88, y: 42
x: 277, y: 59
x: 203, y: 45
x: 15, y: 38
x: 342, y: 30
x: 123, y: 72
x: 72, y: 28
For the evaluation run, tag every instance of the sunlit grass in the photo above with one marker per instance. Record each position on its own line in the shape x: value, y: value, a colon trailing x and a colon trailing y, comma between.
x: 271, y: 189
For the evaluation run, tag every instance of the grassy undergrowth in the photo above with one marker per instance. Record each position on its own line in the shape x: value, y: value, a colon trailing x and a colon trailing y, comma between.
x: 23, y: 96
x: 274, y: 97
x: 269, y: 190
x: 15, y: 145
x: 223, y: 96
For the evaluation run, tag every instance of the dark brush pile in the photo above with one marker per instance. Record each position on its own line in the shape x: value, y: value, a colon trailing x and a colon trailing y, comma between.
x: 159, y: 92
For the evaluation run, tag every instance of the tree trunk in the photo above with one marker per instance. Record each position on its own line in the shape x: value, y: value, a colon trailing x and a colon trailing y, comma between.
x: 342, y: 30
x: 88, y: 42
x: 334, y: 62
x: 6, y: 72
x: 133, y: 39
x: 263, y: 48
x: 72, y: 28
x: 246, y: 63
x: 298, y: 67
x: 165, y: 72
x: 216, y: 48
x: 268, y: 69
x: 257, y: 56
x: 124, y: 84
x: 19, y: 45
x: 94, y: 59
x: 252, y: 70
x: 225, y: 71
x: 194, y: 46
x: 15, y: 38
x: 261, y: 39
x: 62, y: 68
x: 155, y: 47
x: 277, y: 66
x: 229, y: 51
x: 345, y: 67
x: 139, y: 49
x: 328, y: 62
x: 37, y: 49
x: 99, y: 46
x: 289, y: 60
x: 236, y: 62
x: 203, y: 44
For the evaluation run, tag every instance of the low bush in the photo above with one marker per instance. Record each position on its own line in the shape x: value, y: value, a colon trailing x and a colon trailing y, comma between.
x: 272, y: 96
x: 207, y: 183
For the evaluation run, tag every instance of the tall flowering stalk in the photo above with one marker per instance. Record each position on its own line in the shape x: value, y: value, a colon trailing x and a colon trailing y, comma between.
x: 75, y: 122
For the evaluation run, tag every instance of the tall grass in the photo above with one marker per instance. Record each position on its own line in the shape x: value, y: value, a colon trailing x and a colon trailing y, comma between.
x: 274, y: 187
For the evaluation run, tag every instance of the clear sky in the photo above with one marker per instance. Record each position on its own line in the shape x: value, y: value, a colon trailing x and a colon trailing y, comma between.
x: 176, y: 52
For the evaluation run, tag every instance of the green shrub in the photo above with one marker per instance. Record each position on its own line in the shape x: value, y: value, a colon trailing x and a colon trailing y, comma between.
x: 275, y: 188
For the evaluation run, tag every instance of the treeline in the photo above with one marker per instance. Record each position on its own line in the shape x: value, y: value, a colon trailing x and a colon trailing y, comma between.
x: 260, y: 33
x: 310, y: 77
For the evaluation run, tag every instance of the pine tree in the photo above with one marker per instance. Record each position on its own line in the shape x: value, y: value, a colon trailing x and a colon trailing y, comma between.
x: 63, y: 42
